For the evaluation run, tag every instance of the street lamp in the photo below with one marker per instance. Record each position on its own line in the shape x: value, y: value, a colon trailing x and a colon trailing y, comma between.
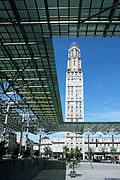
x: 20, y: 146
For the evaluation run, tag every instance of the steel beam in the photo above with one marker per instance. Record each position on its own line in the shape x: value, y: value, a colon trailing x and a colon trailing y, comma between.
x: 21, y: 135
x: 40, y: 134
x: 27, y: 134
x: 6, y: 121
x: 114, y: 161
x: 88, y: 149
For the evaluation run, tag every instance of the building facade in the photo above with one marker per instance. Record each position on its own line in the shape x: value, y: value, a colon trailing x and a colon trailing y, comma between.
x: 56, y: 144
x: 74, y: 106
x: 97, y: 144
x: 100, y: 144
x: 25, y: 142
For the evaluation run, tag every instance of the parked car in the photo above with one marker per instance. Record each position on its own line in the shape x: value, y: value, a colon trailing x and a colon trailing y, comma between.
x: 97, y: 160
x: 6, y: 156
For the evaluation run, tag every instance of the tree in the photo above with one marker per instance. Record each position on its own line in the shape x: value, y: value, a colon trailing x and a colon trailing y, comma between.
x: 74, y: 157
x: 47, y: 151
x: 115, y: 150
x: 103, y: 151
x: 15, y: 152
x: 27, y: 153
x: 3, y: 149
x: 65, y: 151
x: 91, y: 153
x: 36, y: 153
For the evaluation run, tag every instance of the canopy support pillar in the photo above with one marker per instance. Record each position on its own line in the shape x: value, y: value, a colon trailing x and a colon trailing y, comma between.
x: 113, y: 147
x: 40, y: 143
x: 26, y: 142
x: 21, y: 135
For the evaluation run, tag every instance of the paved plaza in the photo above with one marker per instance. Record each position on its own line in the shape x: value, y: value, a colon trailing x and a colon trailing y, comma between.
x: 96, y: 171
x: 86, y: 171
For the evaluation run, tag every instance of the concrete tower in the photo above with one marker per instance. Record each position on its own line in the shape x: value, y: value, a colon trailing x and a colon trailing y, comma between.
x: 74, y: 111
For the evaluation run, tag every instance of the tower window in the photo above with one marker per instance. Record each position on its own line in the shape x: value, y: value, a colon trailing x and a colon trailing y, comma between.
x: 76, y: 53
x: 72, y: 52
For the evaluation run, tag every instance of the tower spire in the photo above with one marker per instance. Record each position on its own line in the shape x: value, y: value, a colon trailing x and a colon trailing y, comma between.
x: 74, y: 61
x: 74, y: 44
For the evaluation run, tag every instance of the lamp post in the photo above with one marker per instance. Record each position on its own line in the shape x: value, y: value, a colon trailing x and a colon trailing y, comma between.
x: 88, y: 149
x: 113, y: 146
x: 40, y: 132
x: 21, y: 134
x: 88, y: 136
x: 27, y: 134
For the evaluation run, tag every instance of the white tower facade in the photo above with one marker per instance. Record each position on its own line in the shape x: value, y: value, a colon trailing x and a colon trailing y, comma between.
x: 74, y: 107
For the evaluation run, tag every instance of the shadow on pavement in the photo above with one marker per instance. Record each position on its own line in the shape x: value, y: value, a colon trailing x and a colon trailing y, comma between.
x: 53, y: 170
x: 77, y: 175
x: 91, y: 165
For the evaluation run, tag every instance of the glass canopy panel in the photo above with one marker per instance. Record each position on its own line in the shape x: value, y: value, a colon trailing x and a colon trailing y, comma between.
x: 107, y: 3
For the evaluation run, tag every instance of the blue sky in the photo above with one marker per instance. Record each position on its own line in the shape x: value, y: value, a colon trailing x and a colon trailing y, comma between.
x: 101, y: 69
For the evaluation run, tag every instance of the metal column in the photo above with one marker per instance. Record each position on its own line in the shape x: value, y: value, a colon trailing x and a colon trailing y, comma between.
x: 23, y: 119
x: 40, y: 144
x: 88, y: 149
x: 5, y: 124
x: 113, y: 148
x: 27, y: 135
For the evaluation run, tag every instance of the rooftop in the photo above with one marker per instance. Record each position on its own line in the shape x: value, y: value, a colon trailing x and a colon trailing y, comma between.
x: 74, y: 44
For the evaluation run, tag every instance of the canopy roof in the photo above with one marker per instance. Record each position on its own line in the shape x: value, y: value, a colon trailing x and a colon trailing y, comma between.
x: 27, y: 63
x: 91, y: 127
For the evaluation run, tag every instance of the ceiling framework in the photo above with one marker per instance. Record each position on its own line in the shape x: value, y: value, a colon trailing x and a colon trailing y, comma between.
x: 27, y: 62
x: 89, y: 127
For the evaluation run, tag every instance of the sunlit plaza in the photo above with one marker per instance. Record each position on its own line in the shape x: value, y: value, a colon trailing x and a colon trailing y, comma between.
x: 97, y: 171
x: 85, y: 170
